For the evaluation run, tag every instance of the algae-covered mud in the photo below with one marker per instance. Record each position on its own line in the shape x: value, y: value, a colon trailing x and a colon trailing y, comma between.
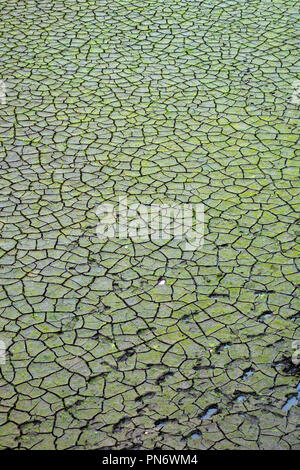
x: 122, y: 343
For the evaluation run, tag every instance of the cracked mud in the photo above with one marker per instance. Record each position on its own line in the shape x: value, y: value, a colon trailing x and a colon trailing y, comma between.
x: 163, y: 101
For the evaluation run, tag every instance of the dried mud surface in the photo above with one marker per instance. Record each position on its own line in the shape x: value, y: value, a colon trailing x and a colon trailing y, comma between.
x: 172, y: 100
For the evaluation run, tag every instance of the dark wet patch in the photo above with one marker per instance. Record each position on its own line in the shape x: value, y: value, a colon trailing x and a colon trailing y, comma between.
x: 223, y: 346
x: 288, y: 366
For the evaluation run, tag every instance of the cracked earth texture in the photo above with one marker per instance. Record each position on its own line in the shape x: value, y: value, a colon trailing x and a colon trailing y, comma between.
x: 170, y: 100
